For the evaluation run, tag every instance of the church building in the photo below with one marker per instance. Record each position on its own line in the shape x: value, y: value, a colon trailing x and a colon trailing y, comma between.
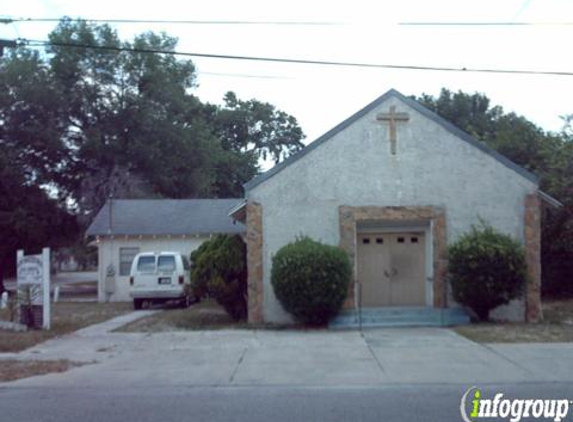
x: 393, y: 185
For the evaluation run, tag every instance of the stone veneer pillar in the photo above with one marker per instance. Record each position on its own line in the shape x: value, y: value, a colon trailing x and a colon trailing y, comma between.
x: 532, y: 238
x: 255, y: 262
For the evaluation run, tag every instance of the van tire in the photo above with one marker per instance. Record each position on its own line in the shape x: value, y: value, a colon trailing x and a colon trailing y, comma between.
x: 137, y: 303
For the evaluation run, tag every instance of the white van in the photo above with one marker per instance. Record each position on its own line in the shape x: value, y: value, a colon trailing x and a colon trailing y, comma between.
x: 160, y: 277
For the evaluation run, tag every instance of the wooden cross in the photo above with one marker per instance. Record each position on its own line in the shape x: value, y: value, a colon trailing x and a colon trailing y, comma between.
x: 392, y: 118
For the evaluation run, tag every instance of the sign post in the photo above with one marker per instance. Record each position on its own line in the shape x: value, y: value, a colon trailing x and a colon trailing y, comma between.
x: 34, y: 287
x: 46, y: 288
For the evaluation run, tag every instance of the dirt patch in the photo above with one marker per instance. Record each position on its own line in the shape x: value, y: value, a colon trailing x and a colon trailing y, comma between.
x: 67, y: 317
x: 556, y: 327
x: 203, y: 315
x: 12, y: 369
x: 207, y: 315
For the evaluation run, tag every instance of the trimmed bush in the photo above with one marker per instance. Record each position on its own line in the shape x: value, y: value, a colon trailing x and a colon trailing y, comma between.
x: 219, y: 271
x: 310, y: 279
x: 487, y: 269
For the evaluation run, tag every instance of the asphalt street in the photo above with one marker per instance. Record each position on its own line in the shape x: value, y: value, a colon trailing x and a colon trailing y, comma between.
x: 429, y: 403
x: 407, y: 374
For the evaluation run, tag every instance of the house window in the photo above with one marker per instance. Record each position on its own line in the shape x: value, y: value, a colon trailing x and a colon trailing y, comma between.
x: 126, y: 256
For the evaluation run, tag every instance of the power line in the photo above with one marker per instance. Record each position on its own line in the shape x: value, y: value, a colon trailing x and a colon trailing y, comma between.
x: 285, y: 23
x: 295, y: 61
x: 178, y: 22
x: 241, y: 75
x: 485, y: 23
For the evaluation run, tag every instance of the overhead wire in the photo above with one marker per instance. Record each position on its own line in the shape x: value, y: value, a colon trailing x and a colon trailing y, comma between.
x: 8, y: 20
x: 179, y: 22
x: 295, y: 61
x: 429, y: 23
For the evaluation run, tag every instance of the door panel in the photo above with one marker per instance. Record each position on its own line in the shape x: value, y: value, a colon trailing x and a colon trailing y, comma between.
x: 407, y: 259
x: 373, y: 262
x: 391, y: 268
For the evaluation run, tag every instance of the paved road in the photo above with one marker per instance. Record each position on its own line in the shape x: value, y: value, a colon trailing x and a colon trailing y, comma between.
x: 383, y: 374
x: 287, y: 358
x: 403, y: 403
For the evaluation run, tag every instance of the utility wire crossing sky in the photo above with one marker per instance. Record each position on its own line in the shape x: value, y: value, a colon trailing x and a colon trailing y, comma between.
x: 323, y: 64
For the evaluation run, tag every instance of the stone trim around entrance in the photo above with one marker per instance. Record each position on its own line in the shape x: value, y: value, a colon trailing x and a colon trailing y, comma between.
x: 350, y: 216
x: 255, y: 261
x: 532, y: 238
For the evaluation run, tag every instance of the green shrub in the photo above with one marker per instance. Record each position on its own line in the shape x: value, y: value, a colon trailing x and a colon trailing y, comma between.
x: 219, y: 270
x: 487, y: 269
x: 311, y: 280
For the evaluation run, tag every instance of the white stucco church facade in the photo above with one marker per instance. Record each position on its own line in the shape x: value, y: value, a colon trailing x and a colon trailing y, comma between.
x: 392, y: 185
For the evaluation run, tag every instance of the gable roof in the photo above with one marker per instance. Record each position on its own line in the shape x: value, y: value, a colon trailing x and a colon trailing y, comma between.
x: 165, y: 217
x: 416, y: 106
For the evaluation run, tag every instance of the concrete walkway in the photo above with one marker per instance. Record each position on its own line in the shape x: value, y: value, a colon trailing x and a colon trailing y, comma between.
x: 321, y: 358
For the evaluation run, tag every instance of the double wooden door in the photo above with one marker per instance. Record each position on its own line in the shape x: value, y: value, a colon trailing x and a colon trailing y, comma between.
x: 391, y: 268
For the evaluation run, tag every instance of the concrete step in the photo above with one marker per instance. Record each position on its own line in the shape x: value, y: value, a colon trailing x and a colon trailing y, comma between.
x: 401, y: 317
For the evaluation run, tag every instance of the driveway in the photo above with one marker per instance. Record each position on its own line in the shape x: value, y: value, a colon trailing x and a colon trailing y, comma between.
x: 292, y: 358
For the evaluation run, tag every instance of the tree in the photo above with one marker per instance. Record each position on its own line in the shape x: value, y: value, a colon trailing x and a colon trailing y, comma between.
x: 513, y: 136
x: 30, y: 127
x: 557, y: 235
x: 29, y: 219
x: 219, y: 271
x: 89, y: 119
x: 258, y: 128
x: 131, y: 117
x: 249, y: 131
x: 136, y: 129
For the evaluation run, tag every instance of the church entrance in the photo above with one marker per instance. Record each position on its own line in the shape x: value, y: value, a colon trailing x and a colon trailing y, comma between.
x: 391, y: 268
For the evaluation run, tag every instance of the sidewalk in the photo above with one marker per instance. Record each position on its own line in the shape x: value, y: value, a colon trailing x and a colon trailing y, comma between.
x: 315, y: 358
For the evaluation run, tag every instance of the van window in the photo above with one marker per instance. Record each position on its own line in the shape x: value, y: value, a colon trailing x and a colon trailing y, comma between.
x: 186, y: 265
x: 146, y: 264
x: 166, y: 263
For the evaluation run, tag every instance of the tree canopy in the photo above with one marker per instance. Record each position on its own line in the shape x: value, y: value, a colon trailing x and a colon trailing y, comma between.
x: 79, y: 124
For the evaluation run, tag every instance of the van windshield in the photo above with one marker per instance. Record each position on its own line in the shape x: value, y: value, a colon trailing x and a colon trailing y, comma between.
x: 166, y: 263
x: 146, y: 264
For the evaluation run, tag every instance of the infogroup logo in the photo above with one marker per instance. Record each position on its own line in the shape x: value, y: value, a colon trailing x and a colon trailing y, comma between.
x: 473, y: 406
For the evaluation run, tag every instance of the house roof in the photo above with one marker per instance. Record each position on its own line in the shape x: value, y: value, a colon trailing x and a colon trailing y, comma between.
x: 165, y: 217
x: 416, y: 106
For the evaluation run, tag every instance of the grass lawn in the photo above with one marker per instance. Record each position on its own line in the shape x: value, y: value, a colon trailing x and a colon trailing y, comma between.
x: 557, y: 326
x: 206, y: 315
x: 66, y: 318
x: 11, y: 369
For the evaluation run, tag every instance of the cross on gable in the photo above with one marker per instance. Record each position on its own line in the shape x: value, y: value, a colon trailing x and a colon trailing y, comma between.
x: 392, y: 118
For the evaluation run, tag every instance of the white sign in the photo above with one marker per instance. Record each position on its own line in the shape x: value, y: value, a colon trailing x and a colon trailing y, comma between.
x: 34, y: 274
x: 30, y: 270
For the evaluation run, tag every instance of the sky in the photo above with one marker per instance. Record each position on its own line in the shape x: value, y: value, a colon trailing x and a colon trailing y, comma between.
x: 320, y: 97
